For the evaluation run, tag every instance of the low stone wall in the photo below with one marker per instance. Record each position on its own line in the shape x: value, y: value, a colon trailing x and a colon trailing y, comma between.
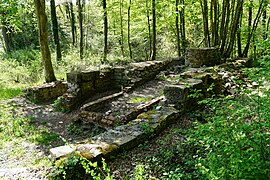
x: 197, y: 57
x: 46, y: 92
x: 82, y: 85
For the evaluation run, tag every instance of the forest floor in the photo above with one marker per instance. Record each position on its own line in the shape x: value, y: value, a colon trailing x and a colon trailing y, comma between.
x: 25, y: 154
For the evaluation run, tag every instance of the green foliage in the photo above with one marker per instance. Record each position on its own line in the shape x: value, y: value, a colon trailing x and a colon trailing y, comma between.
x: 147, y: 129
x: 44, y: 137
x: 8, y: 93
x: 232, y: 144
x: 58, y: 106
x: 14, y: 127
x: 76, y: 166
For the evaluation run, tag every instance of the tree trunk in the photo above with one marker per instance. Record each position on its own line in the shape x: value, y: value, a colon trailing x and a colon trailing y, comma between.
x: 239, y: 43
x: 149, y: 29
x: 55, y: 31
x: 154, y: 41
x: 183, y: 27
x: 234, y: 27
x: 105, y: 31
x: 43, y: 40
x: 129, y: 43
x: 73, y: 26
x: 177, y: 28
x: 204, y: 7
x: 121, y: 28
x: 254, y: 27
x: 6, y: 38
x: 224, y: 25
x: 264, y: 18
x: 80, y: 16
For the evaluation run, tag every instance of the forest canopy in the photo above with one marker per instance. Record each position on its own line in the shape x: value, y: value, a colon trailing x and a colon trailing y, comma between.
x: 86, y: 32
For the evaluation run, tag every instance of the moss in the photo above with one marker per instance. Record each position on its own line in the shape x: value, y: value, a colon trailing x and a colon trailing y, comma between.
x: 108, y: 148
x: 144, y: 116
x: 147, y: 115
x: 87, y: 154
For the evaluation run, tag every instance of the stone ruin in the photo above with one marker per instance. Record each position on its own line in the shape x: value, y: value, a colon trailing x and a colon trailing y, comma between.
x: 133, y: 125
x: 46, y: 92
x: 198, y: 57
x: 86, y: 84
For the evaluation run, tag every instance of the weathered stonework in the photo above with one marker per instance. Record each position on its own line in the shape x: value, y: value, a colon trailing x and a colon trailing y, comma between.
x: 179, y: 94
x: 46, y: 92
x: 120, y: 138
x: 82, y: 85
x: 198, y: 57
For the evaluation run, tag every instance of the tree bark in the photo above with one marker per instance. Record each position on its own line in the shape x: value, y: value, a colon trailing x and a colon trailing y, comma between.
x: 239, y: 43
x: 234, y: 28
x: 129, y: 43
x: 105, y: 31
x: 6, y: 38
x: 55, y: 31
x: 73, y: 26
x: 149, y: 29
x: 177, y: 28
x: 204, y: 7
x: 264, y: 18
x: 121, y: 27
x: 183, y: 27
x: 80, y: 16
x: 224, y: 25
x: 43, y: 40
x: 254, y: 27
x: 154, y: 40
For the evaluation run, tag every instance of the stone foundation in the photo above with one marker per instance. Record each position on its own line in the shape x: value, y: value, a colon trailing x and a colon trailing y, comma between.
x: 46, y: 92
x: 198, y: 57
x: 82, y: 85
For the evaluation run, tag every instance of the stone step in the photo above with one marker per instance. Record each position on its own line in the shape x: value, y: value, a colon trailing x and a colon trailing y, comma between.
x: 104, y: 120
x: 122, y: 137
x: 97, y: 104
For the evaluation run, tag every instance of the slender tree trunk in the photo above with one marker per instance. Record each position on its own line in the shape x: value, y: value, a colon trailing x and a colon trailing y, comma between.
x: 121, y: 27
x: 264, y: 18
x: 73, y: 26
x: 149, y: 29
x: 239, y: 43
x: 154, y: 30
x: 224, y: 25
x: 204, y: 7
x: 216, y: 23
x: 80, y: 16
x: 105, y: 31
x: 129, y: 43
x: 183, y: 27
x: 235, y: 25
x: 55, y: 31
x: 177, y: 27
x: 6, y: 38
x: 254, y: 27
x: 43, y: 40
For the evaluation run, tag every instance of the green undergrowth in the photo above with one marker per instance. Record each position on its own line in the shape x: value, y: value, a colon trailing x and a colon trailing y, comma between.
x: 17, y: 130
x: 8, y: 93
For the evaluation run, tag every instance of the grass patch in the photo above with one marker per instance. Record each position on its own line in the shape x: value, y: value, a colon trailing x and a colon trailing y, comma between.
x: 8, y: 93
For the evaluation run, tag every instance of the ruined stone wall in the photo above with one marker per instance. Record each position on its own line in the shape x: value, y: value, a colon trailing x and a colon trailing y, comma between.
x: 46, y: 92
x: 198, y: 57
x: 82, y: 85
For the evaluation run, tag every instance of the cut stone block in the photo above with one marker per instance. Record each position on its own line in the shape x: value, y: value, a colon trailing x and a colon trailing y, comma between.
x: 62, y: 151
x: 197, y: 57
x: 178, y: 94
